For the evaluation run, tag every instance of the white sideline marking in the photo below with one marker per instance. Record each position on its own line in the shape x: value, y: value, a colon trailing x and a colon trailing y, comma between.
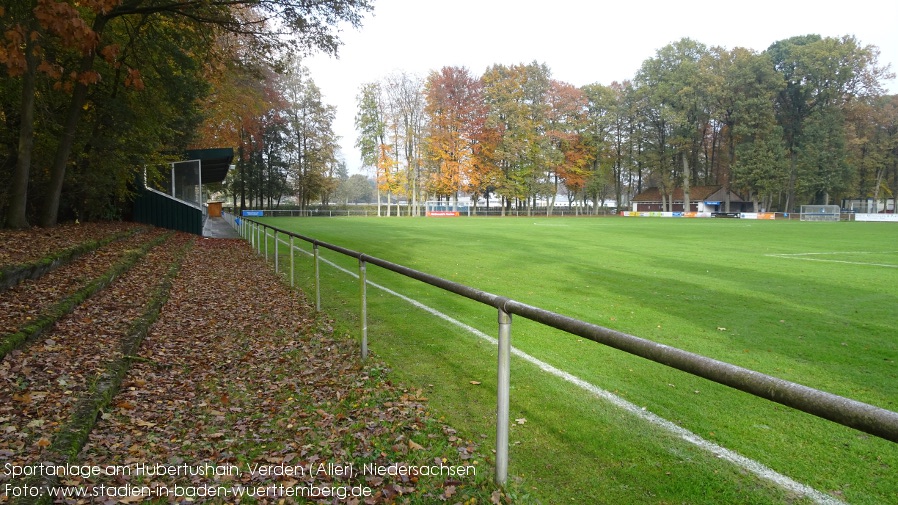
x: 748, y: 464
x: 802, y: 256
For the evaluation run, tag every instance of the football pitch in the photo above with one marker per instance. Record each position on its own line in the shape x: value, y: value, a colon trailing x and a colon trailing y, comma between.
x: 813, y: 303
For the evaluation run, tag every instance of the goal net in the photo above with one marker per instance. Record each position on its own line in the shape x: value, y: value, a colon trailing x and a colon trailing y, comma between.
x: 820, y: 212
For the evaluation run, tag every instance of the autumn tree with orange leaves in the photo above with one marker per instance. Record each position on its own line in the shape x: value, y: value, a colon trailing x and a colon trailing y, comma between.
x: 69, y: 58
x: 454, y: 106
x: 376, y: 153
x: 569, y: 156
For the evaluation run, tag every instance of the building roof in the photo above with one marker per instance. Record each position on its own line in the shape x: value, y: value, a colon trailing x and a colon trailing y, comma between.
x: 696, y: 193
x: 216, y: 163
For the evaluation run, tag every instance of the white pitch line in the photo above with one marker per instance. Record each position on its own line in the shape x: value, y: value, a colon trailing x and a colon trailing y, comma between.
x: 802, y: 256
x: 743, y: 462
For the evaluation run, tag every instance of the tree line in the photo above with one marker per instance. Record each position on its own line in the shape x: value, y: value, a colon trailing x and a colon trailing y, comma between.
x: 804, y: 122
x: 93, y: 91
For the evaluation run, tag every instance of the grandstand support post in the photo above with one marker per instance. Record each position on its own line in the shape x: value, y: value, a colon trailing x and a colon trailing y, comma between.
x: 292, y: 274
x: 276, y: 255
x: 363, y: 314
x: 502, y: 401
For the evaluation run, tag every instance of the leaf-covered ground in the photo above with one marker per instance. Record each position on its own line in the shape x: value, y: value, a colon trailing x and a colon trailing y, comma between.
x: 26, y: 246
x: 238, y: 387
x: 25, y: 301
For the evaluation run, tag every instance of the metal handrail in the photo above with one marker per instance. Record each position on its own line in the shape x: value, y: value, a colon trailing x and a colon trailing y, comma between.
x: 861, y: 416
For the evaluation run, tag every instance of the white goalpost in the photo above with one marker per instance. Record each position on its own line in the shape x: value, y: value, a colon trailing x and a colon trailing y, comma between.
x: 820, y: 213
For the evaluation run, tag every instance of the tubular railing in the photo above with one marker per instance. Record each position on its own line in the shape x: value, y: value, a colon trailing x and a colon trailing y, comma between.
x: 861, y: 416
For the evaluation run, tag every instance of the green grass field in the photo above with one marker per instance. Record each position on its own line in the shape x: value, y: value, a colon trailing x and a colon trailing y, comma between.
x: 813, y: 303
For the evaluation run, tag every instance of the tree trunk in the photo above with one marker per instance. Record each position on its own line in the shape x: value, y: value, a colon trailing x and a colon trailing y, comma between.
x: 57, y: 170
x: 877, y: 185
x: 17, y: 218
x: 73, y: 117
x: 378, y: 199
x: 790, y: 190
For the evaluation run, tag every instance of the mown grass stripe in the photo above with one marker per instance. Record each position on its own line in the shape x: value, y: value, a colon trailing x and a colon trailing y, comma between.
x: 733, y: 457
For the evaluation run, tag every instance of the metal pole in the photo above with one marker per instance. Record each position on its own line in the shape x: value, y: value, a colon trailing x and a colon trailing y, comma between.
x: 291, y: 261
x: 201, y: 187
x: 264, y: 229
x: 363, y: 317
x: 317, y: 282
x: 276, y: 256
x: 504, y: 383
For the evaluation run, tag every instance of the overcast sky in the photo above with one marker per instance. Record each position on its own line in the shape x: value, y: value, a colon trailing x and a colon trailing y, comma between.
x: 582, y: 42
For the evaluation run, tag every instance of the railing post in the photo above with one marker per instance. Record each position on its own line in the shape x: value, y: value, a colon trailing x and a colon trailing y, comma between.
x: 317, y: 281
x: 292, y: 275
x: 265, y: 230
x: 363, y: 316
x: 502, y: 401
x: 276, y: 255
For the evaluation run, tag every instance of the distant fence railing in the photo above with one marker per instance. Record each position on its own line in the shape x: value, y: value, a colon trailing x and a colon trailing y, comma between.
x: 861, y: 416
x: 403, y: 211
x: 558, y: 212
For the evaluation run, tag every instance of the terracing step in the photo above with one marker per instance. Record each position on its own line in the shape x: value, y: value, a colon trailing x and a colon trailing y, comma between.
x: 29, y: 254
x: 58, y: 385
x: 32, y: 306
